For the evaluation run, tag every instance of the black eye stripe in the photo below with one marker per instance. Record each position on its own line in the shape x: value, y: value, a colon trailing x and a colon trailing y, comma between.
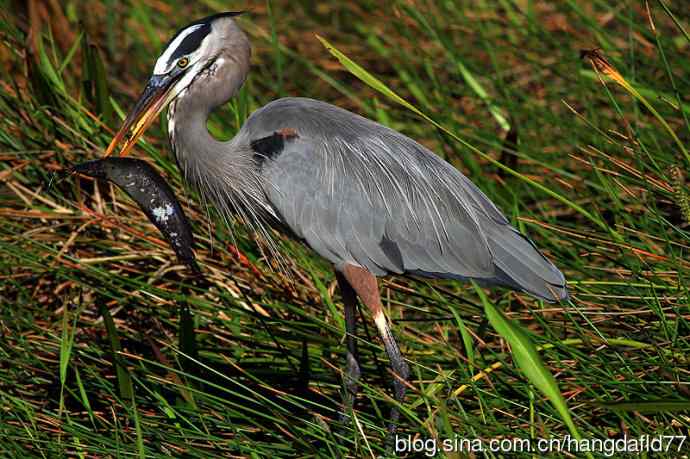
x: 191, y: 42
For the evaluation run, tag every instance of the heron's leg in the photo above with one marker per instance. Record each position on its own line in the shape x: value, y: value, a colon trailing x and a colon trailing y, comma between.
x: 353, y: 372
x: 365, y: 285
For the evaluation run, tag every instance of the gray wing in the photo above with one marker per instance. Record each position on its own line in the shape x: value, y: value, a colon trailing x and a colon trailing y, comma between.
x: 358, y: 192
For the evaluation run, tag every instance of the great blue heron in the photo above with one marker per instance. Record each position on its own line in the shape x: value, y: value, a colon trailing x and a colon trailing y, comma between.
x: 365, y: 197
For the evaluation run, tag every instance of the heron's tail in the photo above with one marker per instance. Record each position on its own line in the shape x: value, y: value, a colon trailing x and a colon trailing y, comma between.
x: 520, y: 265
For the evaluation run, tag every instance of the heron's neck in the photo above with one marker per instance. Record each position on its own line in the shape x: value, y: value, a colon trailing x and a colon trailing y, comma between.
x: 213, y: 85
x: 224, y: 173
x: 190, y: 140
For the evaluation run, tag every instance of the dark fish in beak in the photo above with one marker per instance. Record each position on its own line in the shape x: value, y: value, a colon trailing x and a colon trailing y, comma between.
x: 153, y: 195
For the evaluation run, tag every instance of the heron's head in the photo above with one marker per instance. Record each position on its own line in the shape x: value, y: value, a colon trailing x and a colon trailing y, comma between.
x: 205, y: 62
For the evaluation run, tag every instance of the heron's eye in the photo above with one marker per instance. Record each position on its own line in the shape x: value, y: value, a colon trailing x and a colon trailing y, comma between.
x: 183, y: 62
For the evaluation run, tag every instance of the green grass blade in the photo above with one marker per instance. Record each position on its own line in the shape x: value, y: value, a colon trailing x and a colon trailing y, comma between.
x: 465, y: 335
x: 83, y: 394
x: 65, y: 344
x: 102, y: 93
x: 473, y: 83
x: 70, y: 54
x: 124, y: 380
x: 138, y: 429
x: 675, y: 20
x: 527, y: 357
x: 48, y: 69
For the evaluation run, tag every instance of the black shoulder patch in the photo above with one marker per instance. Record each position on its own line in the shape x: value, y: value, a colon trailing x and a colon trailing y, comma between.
x: 271, y: 146
x: 267, y: 147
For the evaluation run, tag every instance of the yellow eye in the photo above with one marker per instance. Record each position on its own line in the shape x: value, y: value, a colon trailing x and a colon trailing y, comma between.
x: 183, y: 62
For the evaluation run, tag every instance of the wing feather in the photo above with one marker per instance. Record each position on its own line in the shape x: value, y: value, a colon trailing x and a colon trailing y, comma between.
x: 358, y: 192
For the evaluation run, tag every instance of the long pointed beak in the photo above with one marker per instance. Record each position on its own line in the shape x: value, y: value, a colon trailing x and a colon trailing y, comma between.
x: 151, y: 101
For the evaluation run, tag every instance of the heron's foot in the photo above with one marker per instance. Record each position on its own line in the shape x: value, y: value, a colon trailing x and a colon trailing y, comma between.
x: 351, y: 387
x: 399, y: 393
x: 392, y: 429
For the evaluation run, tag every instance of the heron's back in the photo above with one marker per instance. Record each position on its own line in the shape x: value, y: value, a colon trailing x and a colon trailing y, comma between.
x: 358, y: 192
